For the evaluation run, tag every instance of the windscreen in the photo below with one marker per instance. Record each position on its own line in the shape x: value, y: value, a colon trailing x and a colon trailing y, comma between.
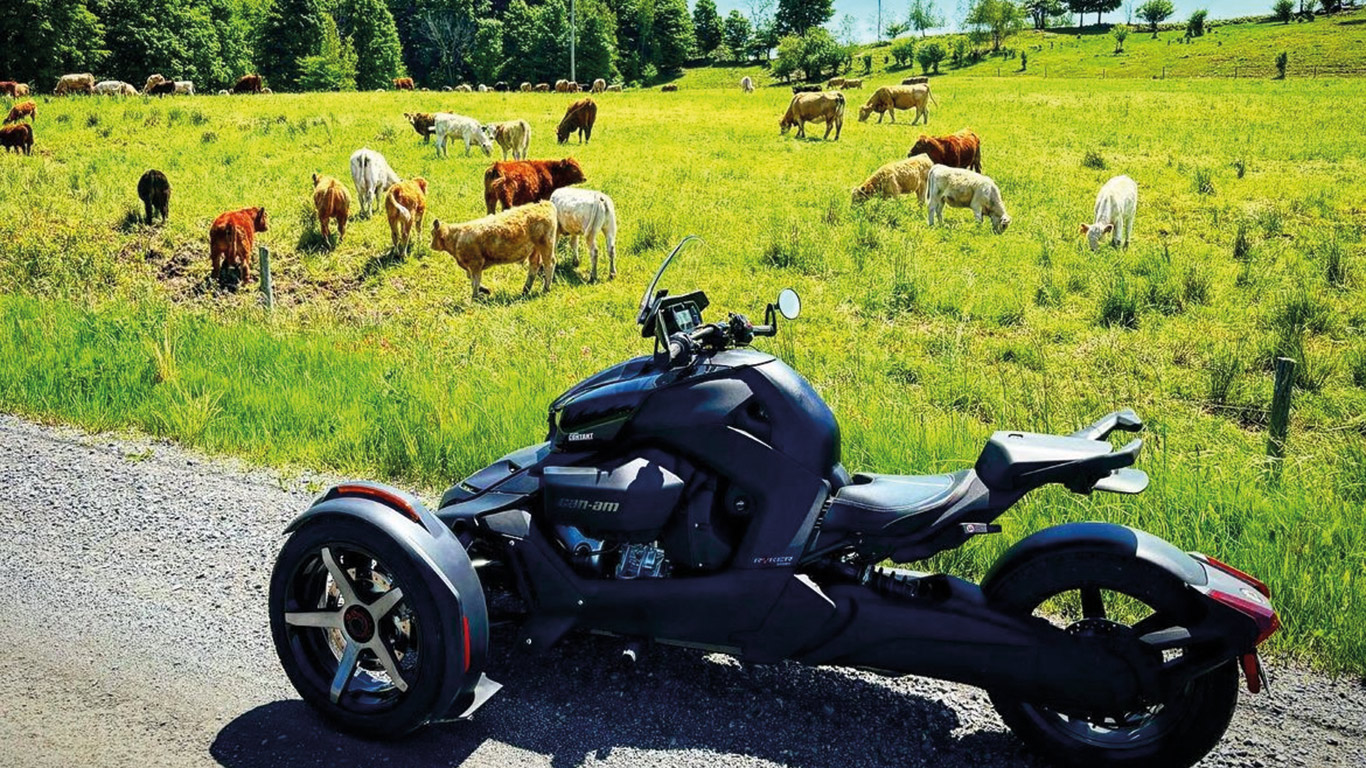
x: 647, y: 300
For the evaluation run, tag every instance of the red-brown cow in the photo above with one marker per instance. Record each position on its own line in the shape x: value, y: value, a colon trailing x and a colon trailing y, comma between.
x: 959, y: 150
x: 9, y: 88
x: 247, y: 84
x: 403, y: 83
x: 20, y: 111
x: 579, y: 117
x: 19, y: 137
x: 232, y: 238
x: 527, y: 181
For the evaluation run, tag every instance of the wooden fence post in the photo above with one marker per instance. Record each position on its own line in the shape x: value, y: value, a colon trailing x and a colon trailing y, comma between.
x: 1280, y: 411
x: 267, y: 289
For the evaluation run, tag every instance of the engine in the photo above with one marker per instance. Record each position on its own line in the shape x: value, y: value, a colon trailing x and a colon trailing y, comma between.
x: 648, y: 516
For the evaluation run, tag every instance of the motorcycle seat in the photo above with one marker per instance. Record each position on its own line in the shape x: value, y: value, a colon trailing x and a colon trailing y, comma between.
x: 873, y: 503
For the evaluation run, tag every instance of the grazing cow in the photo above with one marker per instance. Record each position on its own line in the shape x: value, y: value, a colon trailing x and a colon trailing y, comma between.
x: 332, y: 201
x: 561, y: 86
x: 958, y: 150
x: 961, y: 188
x: 599, y: 85
x: 890, y: 98
x: 806, y: 89
x: 579, y: 117
x: 586, y: 212
x: 267, y: 91
x: 403, y: 83
x: 163, y: 88
x: 543, y: 87
x: 446, y: 89
x: 835, y: 82
x: 372, y: 176
x: 747, y: 84
x: 20, y: 90
x: 152, y: 80
x: 115, y: 88
x: 154, y: 190
x: 406, y: 204
x: 614, y: 88
x: 899, y: 177
x: 232, y: 240
x: 22, y: 110
x: 9, y: 88
x: 464, y: 88
x: 525, y: 234
x: 917, y: 80
x: 17, y: 137
x: 501, y: 86
x: 84, y: 83
x: 670, y: 88
x: 814, y: 107
x: 422, y: 122
x: 247, y: 84
x: 467, y: 128
x: 527, y: 181
x: 853, y: 83
x: 482, y: 88
x: 524, y: 87
x: 1115, y: 208
x: 184, y: 88
x: 223, y: 92
x: 513, y: 136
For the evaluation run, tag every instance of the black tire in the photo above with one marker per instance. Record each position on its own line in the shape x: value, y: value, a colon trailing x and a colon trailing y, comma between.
x: 366, y: 705
x: 1178, y: 732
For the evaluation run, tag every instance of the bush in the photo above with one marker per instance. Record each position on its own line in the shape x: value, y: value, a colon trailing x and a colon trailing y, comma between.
x: 929, y: 56
x: 1121, y: 33
x: 1283, y: 11
x: 1024, y: 61
x: 1282, y: 59
x: 903, y: 51
x: 1093, y: 160
x: 1195, y: 25
x: 960, y: 51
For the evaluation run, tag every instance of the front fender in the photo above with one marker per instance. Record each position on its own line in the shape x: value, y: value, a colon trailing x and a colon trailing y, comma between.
x: 448, y: 573
x: 1107, y: 538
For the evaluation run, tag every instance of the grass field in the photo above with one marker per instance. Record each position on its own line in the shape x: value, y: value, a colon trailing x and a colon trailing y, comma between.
x: 1249, y: 244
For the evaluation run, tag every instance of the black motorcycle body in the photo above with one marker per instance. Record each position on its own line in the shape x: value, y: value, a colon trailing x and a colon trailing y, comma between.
x: 696, y: 497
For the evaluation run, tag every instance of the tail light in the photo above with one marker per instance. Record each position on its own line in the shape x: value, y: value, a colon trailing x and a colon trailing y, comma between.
x: 382, y: 495
x: 1237, y: 574
x: 1261, y: 613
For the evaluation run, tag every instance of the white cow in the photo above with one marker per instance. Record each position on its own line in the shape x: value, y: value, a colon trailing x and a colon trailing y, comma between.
x: 746, y: 84
x: 587, y: 212
x: 83, y: 83
x: 115, y: 88
x: 1115, y: 208
x: 599, y: 85
x: 961, y: 188
x: 184, y: 88
x: 467, y: 128
x: 373, y: 177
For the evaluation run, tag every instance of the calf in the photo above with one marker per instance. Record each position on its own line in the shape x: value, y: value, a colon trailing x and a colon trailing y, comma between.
x: 586, y: 212
x: 406, y: 204
x: 900, y: 177
x: 154, y: 190
x: 527, y: 181
x: 372, y: 176
x: 579, y: 117
x: 232, y: 239
x: 403, y: 83
x: 247, y: 84
x: 115, y: 88
x: 422, y: 122
x: 542, y: 87
x: 331, y: 201
x: 1115, y: 208
x: 961, y: 188
x: 17, y: 137
x: 747, y: 84
x: 599, y: 85
x: 513, y: 136
x: 524, y: 88
x: 958, y: 150
x: 22, y: 110
x: 521, y: 234
x: 467, y: 128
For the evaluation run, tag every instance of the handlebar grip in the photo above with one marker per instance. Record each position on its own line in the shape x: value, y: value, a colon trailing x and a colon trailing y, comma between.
x: 765, y: 330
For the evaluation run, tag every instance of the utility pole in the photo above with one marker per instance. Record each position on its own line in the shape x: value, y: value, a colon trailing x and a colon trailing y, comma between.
x: 879, y: 21
x: 573, y: 32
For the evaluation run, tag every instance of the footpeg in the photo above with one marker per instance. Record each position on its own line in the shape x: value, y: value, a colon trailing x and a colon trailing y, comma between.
x: 975, y: 529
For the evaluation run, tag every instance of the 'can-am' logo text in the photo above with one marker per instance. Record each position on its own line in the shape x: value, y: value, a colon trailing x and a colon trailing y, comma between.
x: 577, y: 436
x: 586, y: 505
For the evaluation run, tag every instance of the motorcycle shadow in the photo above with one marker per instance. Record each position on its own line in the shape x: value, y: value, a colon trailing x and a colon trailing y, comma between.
x: 578, y: 703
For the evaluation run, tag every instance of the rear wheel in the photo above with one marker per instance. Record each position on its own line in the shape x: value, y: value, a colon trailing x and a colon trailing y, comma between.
x: 1090, y: 595
x: 357, y: 631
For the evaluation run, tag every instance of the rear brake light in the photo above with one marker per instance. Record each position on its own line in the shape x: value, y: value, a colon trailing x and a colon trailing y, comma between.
x: 1237, y: 574
x: 1264, y: 616
x: 384, y: 497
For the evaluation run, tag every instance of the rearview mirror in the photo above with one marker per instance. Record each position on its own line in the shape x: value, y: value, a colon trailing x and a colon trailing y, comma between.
x: 790, y: 304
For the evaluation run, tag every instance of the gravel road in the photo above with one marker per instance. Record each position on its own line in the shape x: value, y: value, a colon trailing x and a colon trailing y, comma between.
x: 134, y: 632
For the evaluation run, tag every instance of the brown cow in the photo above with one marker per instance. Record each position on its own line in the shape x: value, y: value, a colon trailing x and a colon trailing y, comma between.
x: 527, y: 181
x: 526, y: 233
x: 247, y: 84
x: 154, y: 189
x: 332, y: 201
x: 917, y: 80
x: 579, y: 117
x: 670, y: 88
x: 163, y: 88
x: 406, y: 204
x: 959, y: 150
x: 22, y: 110
x: 17, y: 137
x: 403, y: 83
x: 9, y: 88
x: 232, y: 240
x: 890, y: 98
x: 422, y: 122
x: 814, y: 107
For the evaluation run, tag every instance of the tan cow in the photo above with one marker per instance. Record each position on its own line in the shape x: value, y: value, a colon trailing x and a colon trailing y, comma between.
x: 525, y: 88
x: 525, y: 233
x: 561, y: 86
x: 614, y: 88
x: 853, y: 83
x: 542, y: 88
x: 84, y: 83
x: 890, y: 98
x: 422, y: 122
x: 827, y: 107
x: 901, y: 177
x: 599, y: 85
x: 835, y: 82
x: 332, y: 201
x: 513, y: 136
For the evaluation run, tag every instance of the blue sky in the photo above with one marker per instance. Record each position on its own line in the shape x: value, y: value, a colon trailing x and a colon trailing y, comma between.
x: 865, y: 11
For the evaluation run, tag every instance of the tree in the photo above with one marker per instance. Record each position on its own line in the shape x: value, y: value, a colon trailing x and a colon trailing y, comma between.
x: 40, y: 40
x: 486, y: 53
x: 998, y: 19
x: 924, y: 15
x: 673, y: 34
x: 293, y: 31
x: 930, y: 55
x: 706, y: 24
x: 372, y: 31
x: 1283, y: 11
x: 1195, y: 25
x: 736, y: 35
x: 204, y: 41
x: 795, y: 17
x: 437, y: 37
x: 813, y: 55
x: 1155, y: 12
x: 333, y: 67
x: 1043, y: 10
x: 596, y: 47
x: 635, y: 36
x: 894, y: 29
x: 903, y: 51
x: 1120, y: 32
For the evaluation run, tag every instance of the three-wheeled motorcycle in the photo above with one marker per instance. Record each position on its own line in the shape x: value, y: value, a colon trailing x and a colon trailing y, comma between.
x: 695, y: 496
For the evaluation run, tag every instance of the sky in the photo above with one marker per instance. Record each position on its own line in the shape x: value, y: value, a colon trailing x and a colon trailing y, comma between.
x: 865, y: 11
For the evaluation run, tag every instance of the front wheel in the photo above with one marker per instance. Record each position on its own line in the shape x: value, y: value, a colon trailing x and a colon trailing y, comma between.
x: 1090, y: 594
x: 358, y: 632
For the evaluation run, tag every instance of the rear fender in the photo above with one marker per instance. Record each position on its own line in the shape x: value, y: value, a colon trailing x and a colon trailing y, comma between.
x: 449, y: 575
x: 1106, y: 538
